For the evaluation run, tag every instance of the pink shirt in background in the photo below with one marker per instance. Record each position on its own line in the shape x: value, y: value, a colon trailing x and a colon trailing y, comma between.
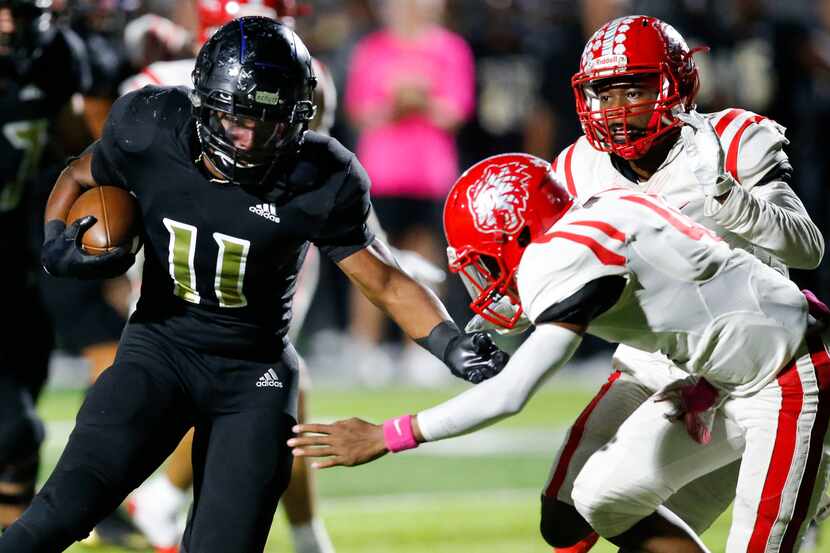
x: 410, y: 157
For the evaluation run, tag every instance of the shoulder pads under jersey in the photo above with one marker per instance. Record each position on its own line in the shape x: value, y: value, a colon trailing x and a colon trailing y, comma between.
x: 137, y: 117
x: 752, y: 144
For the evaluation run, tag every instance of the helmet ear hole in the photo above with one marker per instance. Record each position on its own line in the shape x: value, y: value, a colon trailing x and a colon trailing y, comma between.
x: 491, y: 264
x: 524, y: 237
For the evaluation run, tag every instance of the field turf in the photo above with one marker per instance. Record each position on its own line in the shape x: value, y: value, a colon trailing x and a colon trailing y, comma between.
x: 477, y: 496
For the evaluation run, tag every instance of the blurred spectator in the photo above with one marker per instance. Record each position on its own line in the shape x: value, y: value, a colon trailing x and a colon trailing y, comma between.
x: 507, y: 80
x: 100, y: 24
x: 553, y: 124
x: 410, y: 85
x: 812, y: 119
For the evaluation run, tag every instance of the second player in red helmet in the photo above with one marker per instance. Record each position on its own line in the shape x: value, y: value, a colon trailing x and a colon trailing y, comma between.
x: 633, y: 50
x: 729, y: 170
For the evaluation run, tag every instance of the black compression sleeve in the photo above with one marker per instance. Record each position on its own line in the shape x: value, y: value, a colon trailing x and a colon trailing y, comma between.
x: 439, y: 338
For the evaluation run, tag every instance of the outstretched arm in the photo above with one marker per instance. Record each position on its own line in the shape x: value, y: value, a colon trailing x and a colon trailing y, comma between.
x: 415, y: 308
x: 354, y: 442
x: 419, y: 312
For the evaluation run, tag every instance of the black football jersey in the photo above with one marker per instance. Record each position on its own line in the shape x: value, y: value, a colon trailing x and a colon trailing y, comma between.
x: 29, y: 101
x: 221, y: 261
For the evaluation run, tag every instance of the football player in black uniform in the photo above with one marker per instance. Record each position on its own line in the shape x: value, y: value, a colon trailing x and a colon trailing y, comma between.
x: 232, y: 188
x: 41, y: 66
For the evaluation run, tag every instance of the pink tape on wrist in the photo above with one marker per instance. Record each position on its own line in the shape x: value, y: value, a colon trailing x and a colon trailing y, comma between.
x: 398, y: 435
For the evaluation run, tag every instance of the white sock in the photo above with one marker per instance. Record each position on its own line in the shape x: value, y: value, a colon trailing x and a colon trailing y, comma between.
x: 157, y: 505
x: 311, y: 538
x: 165, y: 497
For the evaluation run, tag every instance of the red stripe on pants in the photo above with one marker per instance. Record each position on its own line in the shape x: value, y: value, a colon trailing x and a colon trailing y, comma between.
x: 575, y: 437
x: 781, y: 460
x: 821, y: 366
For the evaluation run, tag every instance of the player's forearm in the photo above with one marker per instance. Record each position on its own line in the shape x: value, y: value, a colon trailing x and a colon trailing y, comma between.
x: 73, y: 180
x: 772, y: 217
x: 413, y: 306
x: 539, y: 357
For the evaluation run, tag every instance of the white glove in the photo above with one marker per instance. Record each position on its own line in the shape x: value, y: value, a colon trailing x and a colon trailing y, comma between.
x: 505, y: 308
x: 419, y: 267
x: 705, y: 154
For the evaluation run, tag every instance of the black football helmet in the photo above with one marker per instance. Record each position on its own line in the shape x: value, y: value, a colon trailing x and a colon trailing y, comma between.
x: 22, y: 37
x: 252, y: 101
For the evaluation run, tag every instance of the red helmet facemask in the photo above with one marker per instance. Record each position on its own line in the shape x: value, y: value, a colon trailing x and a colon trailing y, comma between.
x: 633, y: 49
x: 493, y: 211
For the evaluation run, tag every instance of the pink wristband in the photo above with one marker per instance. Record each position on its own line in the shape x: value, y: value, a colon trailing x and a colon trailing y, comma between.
x: 397, y: 433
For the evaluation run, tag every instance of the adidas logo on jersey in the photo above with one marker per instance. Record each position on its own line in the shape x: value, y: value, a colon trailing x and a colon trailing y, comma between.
x: 269, y: 211
x: 269, y: 380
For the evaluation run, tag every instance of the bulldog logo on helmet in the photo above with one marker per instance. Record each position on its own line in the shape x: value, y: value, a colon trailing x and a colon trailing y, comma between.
x: 498, y: 200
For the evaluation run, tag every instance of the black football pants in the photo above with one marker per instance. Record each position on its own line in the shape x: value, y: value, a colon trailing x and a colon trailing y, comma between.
x: 133, y: 418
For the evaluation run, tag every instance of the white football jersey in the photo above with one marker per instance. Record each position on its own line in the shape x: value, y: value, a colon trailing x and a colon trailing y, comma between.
x: 161, y: 73
x: 752, y: 146
x: 714, y: 311
x: 178, y: 73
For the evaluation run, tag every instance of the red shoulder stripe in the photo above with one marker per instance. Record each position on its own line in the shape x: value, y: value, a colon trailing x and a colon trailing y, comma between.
x: 610, y: 230
x: 726, y: 119
x: 732, y: 154
x: 606, y: 256
x: 569, y: 177
x: 677, y: 220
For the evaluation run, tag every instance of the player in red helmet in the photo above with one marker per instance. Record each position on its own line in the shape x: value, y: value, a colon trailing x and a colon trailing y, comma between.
x: 488, y: 268
x: 635, y: 97
x: 634, y: 50
x: 635, y: 93
x: 627, y: 267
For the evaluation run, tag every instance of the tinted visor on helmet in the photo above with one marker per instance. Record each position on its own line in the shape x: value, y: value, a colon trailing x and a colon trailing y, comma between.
x: 255, y: 140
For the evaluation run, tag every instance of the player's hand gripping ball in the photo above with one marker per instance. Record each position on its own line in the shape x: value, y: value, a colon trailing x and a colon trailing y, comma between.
x: 101, y: 239
x: 117, y: 220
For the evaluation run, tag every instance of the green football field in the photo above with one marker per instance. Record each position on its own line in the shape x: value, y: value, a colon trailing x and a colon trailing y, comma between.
x: 478, y: 494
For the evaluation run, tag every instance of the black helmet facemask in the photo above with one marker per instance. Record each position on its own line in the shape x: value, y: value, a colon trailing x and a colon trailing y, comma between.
x: 252, y: 100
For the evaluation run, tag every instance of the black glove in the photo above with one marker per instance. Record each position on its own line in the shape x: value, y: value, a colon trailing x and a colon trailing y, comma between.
x: 62, y: 256
x: 473, y: 357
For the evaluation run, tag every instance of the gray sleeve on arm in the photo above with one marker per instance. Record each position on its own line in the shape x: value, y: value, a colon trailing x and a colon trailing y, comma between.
x: 772, y: 217
x: 540, y: 356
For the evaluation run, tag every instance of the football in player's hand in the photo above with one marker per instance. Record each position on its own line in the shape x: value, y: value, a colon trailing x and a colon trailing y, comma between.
x: 118, y: 219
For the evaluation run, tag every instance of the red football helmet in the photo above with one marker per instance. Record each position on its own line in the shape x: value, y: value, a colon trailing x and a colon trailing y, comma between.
x: 493, y: 211
x: 635, y: 47
x: 215, y: 13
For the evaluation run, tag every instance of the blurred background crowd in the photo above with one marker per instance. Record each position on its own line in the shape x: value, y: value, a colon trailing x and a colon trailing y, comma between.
x: 426, y: 88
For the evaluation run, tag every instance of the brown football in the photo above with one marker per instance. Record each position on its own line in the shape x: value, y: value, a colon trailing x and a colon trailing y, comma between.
x: 118, y: 219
